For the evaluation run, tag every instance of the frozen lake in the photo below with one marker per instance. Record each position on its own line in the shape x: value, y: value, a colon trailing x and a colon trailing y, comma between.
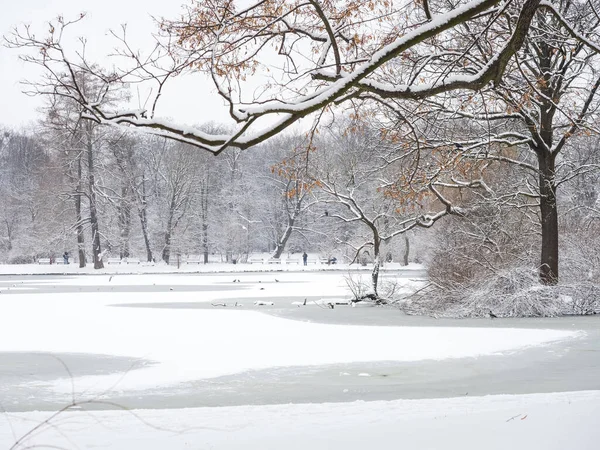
x: 29, y: 376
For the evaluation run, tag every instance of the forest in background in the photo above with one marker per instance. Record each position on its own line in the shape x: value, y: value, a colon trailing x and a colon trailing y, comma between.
x: 464, y: 136
x: 100, y: 192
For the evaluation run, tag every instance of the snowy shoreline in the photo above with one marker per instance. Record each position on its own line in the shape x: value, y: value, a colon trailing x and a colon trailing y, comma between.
x: 211, y: 268
x: 533, y: 421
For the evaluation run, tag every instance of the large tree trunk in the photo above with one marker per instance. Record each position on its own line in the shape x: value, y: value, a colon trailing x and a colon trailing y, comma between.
x: 166, y: 253
x: 205, y: 241
x: 144, y: 220
x: 144, y: 223
x: 204, y: 217
x: 406, y: 250
x: 282, y: 242
x: 80, y: 237
x: 96, y: 247
x: 77, y: 178
x: 549, y: 218
x: 546, y: 164
x: 376, y: 263
x: 78, y: 217
x: 9, y: 244
x: 124, y: 223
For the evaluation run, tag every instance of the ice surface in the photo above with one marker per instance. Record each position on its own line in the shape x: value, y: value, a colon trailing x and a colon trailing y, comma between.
x: 191, y: 344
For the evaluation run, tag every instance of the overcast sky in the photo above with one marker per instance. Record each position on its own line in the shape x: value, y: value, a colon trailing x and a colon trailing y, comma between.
x: 188, y: 101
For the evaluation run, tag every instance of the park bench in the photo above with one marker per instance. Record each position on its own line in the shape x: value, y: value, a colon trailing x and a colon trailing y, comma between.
x: 273, y: 261
x: 50, y: 261
x: 194, y: 259
x: 293, y: 261
x: 132, y: 260
x: 114, y: 261
x: 323, y: 260
x: 255, y: 260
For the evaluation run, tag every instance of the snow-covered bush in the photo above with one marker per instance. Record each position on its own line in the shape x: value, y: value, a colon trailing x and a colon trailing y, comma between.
x: 362, y: 289
x: 490, y: 238
x: 514, y: 292
x: 20, y: 259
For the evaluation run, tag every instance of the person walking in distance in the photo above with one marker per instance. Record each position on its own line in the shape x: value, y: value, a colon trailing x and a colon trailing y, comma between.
x: 304, y: 258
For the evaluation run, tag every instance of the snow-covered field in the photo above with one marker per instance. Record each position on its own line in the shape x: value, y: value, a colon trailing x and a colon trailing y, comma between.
x: 538, y: 421
x: 188, y: 344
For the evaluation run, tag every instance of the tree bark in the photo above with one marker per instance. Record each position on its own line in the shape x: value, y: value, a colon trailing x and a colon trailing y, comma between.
x: 78, y: 217
x: 406, y: 250
x: 376, y: 262
x: 546, y: 164
x: 292, y: 214
x: 205, y: 241
x: 124, y: 222
x: 96, y: 247
x: 8, y: 235
x: 549, y: 219
x: 281, y: 243
x: 144, y: 219
x: 166, y: 253
x: 204, y: 217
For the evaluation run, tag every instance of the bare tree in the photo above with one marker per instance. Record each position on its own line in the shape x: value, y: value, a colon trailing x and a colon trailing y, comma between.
x: 132, y: 167
x: 27, y: 210
x: 176, y: 183
x: 362, y: 177
x: 82, y: 140
x: 292, y: 185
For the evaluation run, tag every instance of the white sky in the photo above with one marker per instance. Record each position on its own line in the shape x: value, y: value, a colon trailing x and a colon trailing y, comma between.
x: 187, y: 101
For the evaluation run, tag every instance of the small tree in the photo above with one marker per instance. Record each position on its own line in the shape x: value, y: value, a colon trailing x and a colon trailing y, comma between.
x: 361, y: 177
x: 291, y: 182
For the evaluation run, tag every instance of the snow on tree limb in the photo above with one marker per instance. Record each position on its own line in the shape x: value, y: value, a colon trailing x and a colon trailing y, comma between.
x: 319, y: 25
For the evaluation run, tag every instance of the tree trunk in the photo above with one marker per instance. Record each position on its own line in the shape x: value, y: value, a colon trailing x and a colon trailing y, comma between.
x: 78, y: 218
x: 124, y: 223
x: 9, y: 244
x: 96, y: 247
x: 281, y: 243
x: 549, y: 218
x: 205, y: 241
x: 406, y: 250
x: 144, y: 220
x: 376, y: 263
x: 546, y: 159
x: 166, y: 253
x: 204, y: 218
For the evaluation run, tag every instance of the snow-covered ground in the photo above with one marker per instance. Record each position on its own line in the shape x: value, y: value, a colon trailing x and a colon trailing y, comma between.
x: 188, y: 344
x: 533, y: 422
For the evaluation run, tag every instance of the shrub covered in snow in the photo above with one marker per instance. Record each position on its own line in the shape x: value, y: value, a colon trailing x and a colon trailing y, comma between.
x: 514, y: 292
x: 361, y: 288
